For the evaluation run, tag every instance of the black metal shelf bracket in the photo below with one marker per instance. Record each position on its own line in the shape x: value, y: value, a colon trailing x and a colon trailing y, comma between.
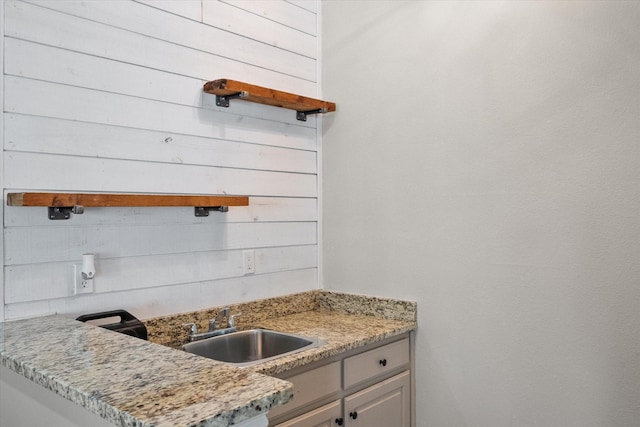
x: 204, y: 210
x: 64, y: 212
x: 223, y: 100
x: 56, y: 213
x: 302, y: 115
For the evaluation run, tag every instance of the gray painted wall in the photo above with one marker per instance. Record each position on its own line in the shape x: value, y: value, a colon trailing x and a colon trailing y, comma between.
x: 484, y: 162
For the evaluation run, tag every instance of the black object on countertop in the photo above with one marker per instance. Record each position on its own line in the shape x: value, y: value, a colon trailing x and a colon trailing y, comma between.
x: 128, y: 325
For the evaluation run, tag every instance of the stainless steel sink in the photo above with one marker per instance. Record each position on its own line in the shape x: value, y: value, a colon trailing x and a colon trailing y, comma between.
x: 249, y: 347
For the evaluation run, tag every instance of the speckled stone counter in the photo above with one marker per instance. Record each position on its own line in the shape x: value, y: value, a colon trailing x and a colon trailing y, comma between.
x: 339, y: 331
x: 342, y: 321
x: 131, y: 382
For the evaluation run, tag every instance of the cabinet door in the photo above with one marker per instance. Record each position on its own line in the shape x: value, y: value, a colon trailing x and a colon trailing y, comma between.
x: 384, y: 404
x: 325, y: 416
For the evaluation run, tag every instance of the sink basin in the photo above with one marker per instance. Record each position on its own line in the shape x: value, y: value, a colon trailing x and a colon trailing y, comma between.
x: 249, y: 347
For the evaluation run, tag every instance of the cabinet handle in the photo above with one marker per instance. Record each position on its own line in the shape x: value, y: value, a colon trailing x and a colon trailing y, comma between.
x: 383, y: 362
x: 353, y: 415
x: 339, y: 421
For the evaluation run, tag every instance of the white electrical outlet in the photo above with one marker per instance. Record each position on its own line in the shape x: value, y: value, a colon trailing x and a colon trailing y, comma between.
x: 248, y: 262
x: 80, y: 284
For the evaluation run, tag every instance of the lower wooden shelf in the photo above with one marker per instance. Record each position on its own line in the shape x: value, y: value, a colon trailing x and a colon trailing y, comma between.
x: 62, y: 204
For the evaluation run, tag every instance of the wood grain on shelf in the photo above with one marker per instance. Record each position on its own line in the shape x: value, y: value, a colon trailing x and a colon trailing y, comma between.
x: 263, y: 95
x: 121, y: 200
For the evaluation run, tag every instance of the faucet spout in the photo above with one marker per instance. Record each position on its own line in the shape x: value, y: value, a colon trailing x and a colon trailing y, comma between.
x: 215, y: 324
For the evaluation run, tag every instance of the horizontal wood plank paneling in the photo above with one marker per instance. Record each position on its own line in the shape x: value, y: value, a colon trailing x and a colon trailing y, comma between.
x: 74, y: 103
x: 84, y: 174
x: 279, y: 11
x: 191, y: 9
x: 26, y: 245
x: 35, y: 282
x: 135, y: 17
x: 58, y: 65
x: 37, y: 24
x: 151, y: 302
x: 41, y: 62
x: 107, y: 97
x: 250, y: 109
x: 311, y: 6
x: 59, y: 136
x: 238, y: 21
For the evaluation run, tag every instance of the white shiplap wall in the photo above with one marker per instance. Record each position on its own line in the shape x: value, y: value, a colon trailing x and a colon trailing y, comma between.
x: 106, y: 96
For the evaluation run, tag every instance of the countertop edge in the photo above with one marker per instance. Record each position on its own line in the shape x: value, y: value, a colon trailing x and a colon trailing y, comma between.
x: 94, y: 401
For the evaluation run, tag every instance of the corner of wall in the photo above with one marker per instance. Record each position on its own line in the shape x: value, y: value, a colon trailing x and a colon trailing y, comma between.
x: 2, y: 157
x: 320, y: 284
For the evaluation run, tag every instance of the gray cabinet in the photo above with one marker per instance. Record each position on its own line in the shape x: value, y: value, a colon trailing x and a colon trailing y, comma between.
x: 382, y: 405
x: 368, y: 387
x: 325, y: 416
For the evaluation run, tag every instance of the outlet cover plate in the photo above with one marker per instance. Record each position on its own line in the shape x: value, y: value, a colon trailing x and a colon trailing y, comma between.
x: 248, y: 262
x: 81, y: 285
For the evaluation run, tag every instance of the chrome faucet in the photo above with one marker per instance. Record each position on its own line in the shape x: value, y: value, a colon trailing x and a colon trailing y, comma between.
x: 222, y: 314
x: 214, y: 326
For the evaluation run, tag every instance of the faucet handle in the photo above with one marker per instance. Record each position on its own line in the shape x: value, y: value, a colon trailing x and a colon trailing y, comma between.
x: 232, y: 320
x: 193, y: 329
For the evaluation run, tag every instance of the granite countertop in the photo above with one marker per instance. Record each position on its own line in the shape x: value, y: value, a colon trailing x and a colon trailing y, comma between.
x: 131, y: 382
x: 339, y: 331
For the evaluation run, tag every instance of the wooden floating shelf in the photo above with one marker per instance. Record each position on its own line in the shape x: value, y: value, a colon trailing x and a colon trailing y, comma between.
x: 62, y: 204
x: 121, y: 200
x: 226, y: 89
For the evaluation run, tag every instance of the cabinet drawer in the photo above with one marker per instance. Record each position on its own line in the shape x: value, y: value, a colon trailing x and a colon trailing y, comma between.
x: 376, y: 362
x: 324, y: 416
x: 311, y: 386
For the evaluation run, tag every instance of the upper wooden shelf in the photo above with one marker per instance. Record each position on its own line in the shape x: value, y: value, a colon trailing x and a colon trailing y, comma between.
x: 62, y: 204
x: 226, y: 89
